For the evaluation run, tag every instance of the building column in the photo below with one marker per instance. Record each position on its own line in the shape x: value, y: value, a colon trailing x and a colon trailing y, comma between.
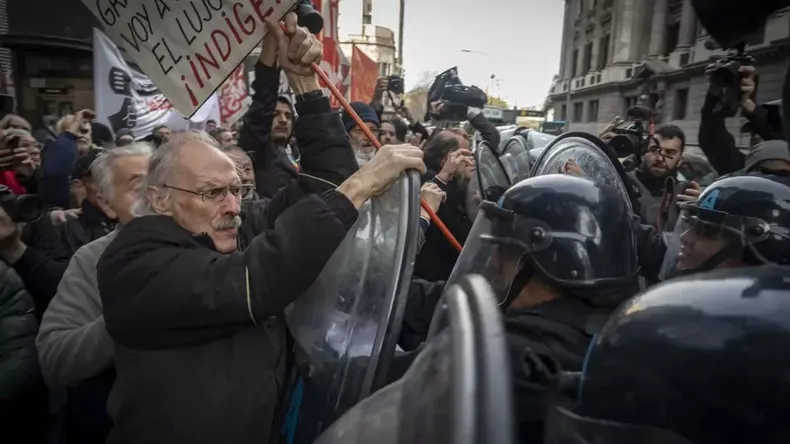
x: 688, y: 29
x: 565, y: 52
x: 622, y: 31
x: 596, y: 52
x: 658, y: 29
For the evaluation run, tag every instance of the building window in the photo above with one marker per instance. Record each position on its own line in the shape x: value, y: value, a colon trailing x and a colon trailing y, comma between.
x: 673, y: 34
x: 587, y: 58
x: 564, y: 113
x: 681, y: 104
x: 575, y: 63
x: 592, y: 111
x: 579, y: 7
x: 578, y: 111
x: 603, y: 51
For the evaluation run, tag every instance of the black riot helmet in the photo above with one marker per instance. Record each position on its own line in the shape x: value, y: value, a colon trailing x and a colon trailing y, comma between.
x: 742, y: 220
x: 698, y: 360
x: 730, y: 22
x: 574, y: 233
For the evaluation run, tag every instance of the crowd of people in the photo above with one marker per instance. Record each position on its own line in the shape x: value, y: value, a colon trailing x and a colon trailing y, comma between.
x: 143, y: 283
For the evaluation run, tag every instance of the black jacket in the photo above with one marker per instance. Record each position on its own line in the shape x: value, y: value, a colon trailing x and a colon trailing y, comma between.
x: 318, y: 131
x: 200, y: 341
x: 24, y: 400
x: 437, y: 256
x: 91, y: 224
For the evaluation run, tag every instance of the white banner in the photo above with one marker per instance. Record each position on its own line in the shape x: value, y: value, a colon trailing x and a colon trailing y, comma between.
x: 188, y: 48
x: 124, y: 97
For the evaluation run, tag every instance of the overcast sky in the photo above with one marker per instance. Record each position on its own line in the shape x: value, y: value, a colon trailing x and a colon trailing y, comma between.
x: 521, y: 37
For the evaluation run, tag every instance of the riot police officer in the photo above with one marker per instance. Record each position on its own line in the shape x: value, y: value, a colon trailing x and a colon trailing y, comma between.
x: 559, y: 252
x: 696, y: 360
x: 738, y: 221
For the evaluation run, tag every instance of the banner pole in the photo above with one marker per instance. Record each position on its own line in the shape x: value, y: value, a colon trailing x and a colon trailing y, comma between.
x: 375, y: 141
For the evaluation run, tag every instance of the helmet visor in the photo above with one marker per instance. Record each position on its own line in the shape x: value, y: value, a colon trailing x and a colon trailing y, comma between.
x: 704, y: 238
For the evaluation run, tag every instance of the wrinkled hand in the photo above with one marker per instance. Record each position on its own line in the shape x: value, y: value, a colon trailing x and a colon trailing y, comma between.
x: 571, y: 168
x: 455, y: 164
x: 432, y: 195
x: 384, y: 169
x: 690, y: 194
x: 748, y: 86
x: 297, y: 48
x: 58, y: 217
x: 14, y: 121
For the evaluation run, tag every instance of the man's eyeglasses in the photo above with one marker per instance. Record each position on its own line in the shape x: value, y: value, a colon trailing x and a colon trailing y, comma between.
x: 216, y: 195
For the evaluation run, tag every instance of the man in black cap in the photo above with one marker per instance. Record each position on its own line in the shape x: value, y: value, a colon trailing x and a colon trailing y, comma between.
x: 363, y: 148
x: 92, y: 222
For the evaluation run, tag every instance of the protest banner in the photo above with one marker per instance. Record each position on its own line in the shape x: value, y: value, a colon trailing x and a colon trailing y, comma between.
x: 124, y: 97
x: 233, y: 103
x: 188, y: 48
x: 364, y: 75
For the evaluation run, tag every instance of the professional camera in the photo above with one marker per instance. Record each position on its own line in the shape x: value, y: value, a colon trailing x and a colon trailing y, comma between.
x: 633, y: 139
x: 457, y: 98
x: 395, y: 85
x: 309, y: 17
x: 725, y: 82
x: 26, y: 208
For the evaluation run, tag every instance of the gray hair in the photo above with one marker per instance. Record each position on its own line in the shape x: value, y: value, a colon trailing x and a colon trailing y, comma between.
x: 161, y: 166
x: 101, y: 168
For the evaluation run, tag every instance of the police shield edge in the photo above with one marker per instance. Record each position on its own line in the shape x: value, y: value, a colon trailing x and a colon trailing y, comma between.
x: 347, y: 324
x: 489, y: 181
x: 457, y: 391
x: 595, y: 159
x: 520, y: 153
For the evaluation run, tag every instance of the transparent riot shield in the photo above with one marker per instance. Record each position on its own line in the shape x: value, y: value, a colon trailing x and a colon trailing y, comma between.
x: 595, y: 159
x: 457, y: 391
x: 521, y: 151
x: 489, y: 181
x: 346, y: 326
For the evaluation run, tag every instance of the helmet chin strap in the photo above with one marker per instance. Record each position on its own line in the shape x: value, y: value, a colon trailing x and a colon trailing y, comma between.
x: 714, y: 261
x: 520, y: 281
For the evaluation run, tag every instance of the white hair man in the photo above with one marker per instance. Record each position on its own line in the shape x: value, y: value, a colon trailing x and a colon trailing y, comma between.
x: 74, y: 348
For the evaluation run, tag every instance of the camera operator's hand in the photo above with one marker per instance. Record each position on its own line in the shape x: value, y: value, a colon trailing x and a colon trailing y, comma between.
x: 297, y: 49
x: 58, y: 217
x: 455, y: 164
x: 11, y: 245
x: 11, y: 156
x: 416, y: 140
x: 748, y: 87
x: 383, y: 170
x: 607, y: 134
x: 691, y: 193
x: 711, y: 68
x: 406, y: 113
x: 433, y: 196
x: 80, y: 125
x: 571, y: 168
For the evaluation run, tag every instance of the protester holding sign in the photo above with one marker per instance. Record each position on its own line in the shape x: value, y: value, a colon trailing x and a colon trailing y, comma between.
x: 201, y: 347
x: 325, y: 150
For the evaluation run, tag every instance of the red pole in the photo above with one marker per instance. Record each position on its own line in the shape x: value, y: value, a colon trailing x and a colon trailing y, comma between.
x: 375, y: 141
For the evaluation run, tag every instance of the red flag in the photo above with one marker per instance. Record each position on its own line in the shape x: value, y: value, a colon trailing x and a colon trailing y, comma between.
x: 364, y: 75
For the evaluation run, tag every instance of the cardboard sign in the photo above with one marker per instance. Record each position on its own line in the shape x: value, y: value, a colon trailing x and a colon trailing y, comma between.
x: 187, y: 47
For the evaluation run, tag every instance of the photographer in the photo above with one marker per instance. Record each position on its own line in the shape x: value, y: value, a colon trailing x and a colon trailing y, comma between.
x: 656, y: 178
x: 714, y: 139
x: 60, y: 155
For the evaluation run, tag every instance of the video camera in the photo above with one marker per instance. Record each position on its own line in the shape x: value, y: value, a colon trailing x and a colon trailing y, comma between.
x: 725, y: 82
x: 27, y: 208
x: 395, y: 84
x: 457, y: 98
x: 633, y: 140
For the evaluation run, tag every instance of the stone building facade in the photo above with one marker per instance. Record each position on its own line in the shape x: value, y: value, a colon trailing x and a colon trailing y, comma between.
x: 614, y: 51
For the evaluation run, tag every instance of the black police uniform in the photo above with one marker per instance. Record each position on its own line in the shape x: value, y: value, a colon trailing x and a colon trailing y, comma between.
x: 572, y: 233
x: 699, y: 360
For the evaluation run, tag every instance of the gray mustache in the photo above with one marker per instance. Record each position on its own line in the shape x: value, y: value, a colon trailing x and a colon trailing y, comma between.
x: 228, y: 223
